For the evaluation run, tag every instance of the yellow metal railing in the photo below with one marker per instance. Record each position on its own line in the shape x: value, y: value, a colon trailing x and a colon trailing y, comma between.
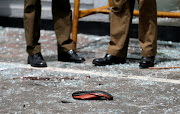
x: 105, y: 10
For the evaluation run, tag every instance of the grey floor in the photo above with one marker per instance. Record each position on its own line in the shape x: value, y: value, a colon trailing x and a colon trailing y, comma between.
x: 24, y: 89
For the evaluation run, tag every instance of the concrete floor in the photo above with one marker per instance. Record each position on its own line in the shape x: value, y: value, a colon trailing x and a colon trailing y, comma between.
x: 24, y: 89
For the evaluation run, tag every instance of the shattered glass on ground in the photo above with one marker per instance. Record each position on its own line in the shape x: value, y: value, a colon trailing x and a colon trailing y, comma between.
x: 24, y: 89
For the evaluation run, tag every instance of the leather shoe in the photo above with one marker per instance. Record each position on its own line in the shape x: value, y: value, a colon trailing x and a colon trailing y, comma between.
x: 37, y: 60
x: 70, y: 56
x: 146, y: 62
x: 108, y: 60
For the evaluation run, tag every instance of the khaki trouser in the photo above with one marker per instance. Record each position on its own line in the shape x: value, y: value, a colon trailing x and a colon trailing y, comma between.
x: 121, y: 19
x: 62, y: 18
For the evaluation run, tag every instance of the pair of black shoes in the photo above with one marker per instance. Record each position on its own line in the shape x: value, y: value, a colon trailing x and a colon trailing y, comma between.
x: 37, y: 60
x: 110, y: 59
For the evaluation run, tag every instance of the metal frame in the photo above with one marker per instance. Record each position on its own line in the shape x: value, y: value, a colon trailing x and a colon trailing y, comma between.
x: 105, y: 10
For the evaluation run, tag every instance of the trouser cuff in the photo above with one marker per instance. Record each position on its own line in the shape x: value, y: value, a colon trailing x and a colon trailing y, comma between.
x: 117, y: 53
x: 31, y: 50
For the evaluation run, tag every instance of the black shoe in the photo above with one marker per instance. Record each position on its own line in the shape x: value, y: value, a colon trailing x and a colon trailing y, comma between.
x: 37, y: 60
x: 70, y: 56
x: 108, y: 60
x: 146, y: 62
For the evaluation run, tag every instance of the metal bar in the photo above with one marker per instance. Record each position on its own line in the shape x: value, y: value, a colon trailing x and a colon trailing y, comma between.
x: 75, y: 23
x: 163, y: 67
x: 168, y: 14
x: 110, y: 3
x: 84, y: 13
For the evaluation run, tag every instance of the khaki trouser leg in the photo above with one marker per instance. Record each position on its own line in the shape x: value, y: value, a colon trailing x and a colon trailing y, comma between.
x: 32, y: 13
x: 121, y: 18
x: 62, y: 17
x: 148, y: 27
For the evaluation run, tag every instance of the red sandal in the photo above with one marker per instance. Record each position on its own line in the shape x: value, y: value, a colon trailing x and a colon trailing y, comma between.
x: 92, y: 95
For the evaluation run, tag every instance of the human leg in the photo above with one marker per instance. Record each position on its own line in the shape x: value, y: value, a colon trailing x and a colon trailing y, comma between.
x: 62, y: 17
x: 32, y: 13
x: 148, y: 32
x: 121, y: 18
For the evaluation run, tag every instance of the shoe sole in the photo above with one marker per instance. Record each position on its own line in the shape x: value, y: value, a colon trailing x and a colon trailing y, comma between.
x: 70, y: 61
x: 99, y: 64
x: 145, y: 67
x: 35, y: 65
